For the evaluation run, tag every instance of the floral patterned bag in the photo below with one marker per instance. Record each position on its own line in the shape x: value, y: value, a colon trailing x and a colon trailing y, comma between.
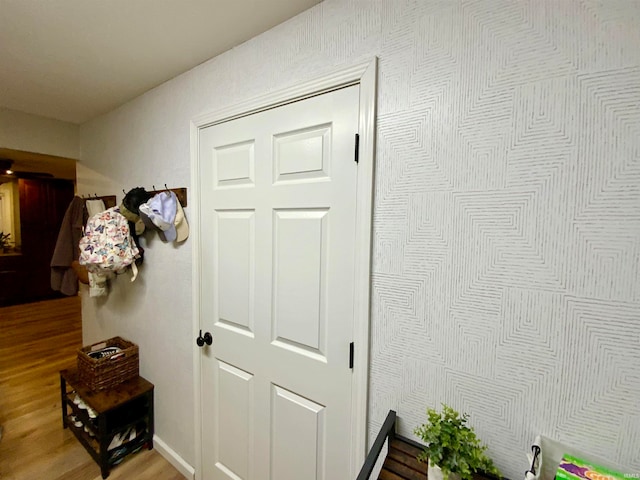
x: 107, y: 245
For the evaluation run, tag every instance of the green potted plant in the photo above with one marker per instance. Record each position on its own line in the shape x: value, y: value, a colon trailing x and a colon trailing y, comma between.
x: 452, y: 447
x: 4, y: 241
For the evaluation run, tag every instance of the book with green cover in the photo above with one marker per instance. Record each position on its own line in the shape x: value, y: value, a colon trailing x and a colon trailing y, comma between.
x: 573, y: 468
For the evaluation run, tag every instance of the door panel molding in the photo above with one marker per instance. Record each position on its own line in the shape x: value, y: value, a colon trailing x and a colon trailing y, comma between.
x: 364, y: 75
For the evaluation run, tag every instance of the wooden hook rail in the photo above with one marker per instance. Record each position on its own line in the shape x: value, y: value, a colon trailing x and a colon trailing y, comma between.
x: 181, y: 193
x: 109, y: 200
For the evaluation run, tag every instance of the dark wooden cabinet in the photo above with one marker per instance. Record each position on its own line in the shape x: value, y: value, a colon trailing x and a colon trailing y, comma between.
x: 13, y: 278
x: 123, y: 408
x: 26, y: 277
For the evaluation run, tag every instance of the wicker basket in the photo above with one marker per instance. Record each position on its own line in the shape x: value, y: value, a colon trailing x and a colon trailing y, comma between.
x: 103, y: 373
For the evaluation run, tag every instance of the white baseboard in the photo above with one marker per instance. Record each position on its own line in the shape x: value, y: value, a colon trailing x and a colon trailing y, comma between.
x: 173, y: 458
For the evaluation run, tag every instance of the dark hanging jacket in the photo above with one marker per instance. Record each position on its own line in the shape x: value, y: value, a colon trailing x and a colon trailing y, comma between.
x: 63, y: 278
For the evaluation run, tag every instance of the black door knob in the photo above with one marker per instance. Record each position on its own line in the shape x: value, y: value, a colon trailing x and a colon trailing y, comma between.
x: 208, y: 339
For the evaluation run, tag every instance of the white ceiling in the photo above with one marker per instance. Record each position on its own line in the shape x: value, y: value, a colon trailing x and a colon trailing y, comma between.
x: 73, y: 60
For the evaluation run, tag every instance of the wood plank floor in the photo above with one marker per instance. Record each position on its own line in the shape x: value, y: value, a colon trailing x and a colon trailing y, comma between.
x: 37, y: 340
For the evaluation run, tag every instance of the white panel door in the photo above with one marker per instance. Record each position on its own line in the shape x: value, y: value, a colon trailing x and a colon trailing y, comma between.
x: 278, y: 209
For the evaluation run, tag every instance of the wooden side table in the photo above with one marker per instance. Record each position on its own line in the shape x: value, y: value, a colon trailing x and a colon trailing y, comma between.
x: 126, y: 406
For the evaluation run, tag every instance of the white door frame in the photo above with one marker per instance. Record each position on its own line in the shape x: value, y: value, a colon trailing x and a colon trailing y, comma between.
x: 365, y: 75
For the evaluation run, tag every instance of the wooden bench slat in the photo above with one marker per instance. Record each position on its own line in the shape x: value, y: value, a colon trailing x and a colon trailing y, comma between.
x: 408, y: 460
x: 407, y: 453
x: 403, y: 470
x: 399, y: 443
x: 386, y: 475
x: 401, y: 462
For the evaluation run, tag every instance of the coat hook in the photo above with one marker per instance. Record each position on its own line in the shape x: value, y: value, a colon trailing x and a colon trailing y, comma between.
x: 165, y: 187
x: 124, y: 191
x: 154, y: 187
x: 95, y: 195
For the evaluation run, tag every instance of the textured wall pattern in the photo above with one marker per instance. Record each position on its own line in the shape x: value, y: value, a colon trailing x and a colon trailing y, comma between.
x: 506, y: 251
x: 507, y: 222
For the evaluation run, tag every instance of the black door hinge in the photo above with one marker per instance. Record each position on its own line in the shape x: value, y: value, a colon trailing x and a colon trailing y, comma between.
x: 357, y: 153
x: 351, y: 355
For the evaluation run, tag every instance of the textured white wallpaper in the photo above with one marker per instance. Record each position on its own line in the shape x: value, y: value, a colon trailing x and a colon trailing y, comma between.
x: 507, y: 222
x: 506, y: 269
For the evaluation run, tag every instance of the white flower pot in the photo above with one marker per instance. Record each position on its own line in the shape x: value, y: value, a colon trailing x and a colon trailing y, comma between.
x: 434, y: 472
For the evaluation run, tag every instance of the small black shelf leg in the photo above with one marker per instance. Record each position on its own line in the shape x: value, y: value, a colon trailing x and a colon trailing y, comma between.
x: 151, y: 421
x: 104, y: 445
x: 63, y: 400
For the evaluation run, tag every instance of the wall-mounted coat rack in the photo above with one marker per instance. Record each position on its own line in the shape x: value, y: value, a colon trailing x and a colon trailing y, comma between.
x: 109, y: 200
x: 181, y: 193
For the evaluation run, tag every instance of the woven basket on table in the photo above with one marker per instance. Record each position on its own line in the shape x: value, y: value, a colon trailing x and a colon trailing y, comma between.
x: 103, y: 373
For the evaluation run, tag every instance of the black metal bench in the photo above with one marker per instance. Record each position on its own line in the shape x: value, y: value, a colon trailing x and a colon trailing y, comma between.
x: 401, y: 462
